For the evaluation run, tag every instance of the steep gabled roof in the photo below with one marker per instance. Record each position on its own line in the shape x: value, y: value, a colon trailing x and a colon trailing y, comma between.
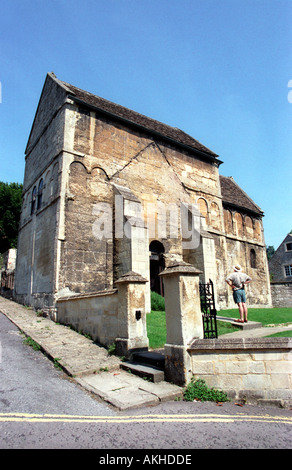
x: 54, y: 95
x: 132, y: 117
x: 287, y: 239
x: 234, y: 196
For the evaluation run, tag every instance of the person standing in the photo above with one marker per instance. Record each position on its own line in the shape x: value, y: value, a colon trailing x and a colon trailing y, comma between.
x: 237, y: 280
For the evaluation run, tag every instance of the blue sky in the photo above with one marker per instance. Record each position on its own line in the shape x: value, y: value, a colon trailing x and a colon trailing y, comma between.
x: 218, y: 69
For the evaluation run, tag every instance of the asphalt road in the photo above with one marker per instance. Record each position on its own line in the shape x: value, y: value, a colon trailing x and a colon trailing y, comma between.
x: 40, y: 408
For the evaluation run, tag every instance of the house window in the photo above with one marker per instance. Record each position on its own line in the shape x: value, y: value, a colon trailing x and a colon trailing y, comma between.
x: 40, y: 194
x: 289, y: 246
x: 33, y: 200
x: 288, y: 270
x: 253, y: 258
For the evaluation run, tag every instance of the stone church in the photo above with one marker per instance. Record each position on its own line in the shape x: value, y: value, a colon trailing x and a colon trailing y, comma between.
x: 96, y: 177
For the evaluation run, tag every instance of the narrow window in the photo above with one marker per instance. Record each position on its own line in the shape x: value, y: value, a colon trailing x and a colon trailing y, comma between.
x: 33, y: 199
x: 40, y: 194
x: 288, y: 246
x: 253, y: 258
x: 157, y: 265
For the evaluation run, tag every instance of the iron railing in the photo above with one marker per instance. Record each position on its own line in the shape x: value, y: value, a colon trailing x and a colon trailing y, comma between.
x: 208, y: 309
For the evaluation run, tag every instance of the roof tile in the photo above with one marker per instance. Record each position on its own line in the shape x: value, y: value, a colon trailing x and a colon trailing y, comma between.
x: 136, y: 118
x: 234, y: 195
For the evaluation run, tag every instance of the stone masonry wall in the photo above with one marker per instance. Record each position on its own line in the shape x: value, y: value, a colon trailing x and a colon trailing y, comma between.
x: 251, y: 370
x: 258, y: 292
x: 35, y: 277
x: 86, y: 262
x: 92, y: 314
x: 281, y: 294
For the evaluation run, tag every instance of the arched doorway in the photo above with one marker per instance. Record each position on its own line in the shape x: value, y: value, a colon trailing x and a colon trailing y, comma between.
x: 157, y: 265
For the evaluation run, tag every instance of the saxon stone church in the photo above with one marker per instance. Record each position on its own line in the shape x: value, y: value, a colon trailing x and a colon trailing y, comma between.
x: 96, y: 177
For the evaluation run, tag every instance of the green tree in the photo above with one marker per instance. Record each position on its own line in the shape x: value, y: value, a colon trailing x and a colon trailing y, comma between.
x: 270, y: 251
x: 10, y: 207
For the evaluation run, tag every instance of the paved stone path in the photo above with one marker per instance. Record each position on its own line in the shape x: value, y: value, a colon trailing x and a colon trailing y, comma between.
x: 90, y: 365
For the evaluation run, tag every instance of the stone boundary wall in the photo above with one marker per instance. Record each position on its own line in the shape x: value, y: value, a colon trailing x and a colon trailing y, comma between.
x: 281, y: 294
x: 95, y: 314
x: 256, y: 371
x: 110, y: 316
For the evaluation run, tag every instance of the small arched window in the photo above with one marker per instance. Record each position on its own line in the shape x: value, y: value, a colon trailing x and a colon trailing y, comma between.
x: 253, y: 263
x: 203, y: 207
x: 40, y: 194
x: 33, y: 200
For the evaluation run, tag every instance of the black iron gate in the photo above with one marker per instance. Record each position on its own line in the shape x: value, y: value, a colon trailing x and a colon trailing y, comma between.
x: 208, y: 309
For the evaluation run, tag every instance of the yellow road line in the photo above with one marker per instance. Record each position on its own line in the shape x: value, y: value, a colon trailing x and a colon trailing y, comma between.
x: 31, y: 417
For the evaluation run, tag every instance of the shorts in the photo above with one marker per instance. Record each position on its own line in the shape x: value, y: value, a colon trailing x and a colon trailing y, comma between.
x: 239, y: 296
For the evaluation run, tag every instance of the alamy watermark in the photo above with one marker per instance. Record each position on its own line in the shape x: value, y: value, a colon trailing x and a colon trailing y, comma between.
x: 290, y: 92
x: 171, y: 221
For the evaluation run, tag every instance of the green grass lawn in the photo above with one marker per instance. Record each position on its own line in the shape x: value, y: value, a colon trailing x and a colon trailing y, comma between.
x: 156, y: 329
x: 281, y: 334
x: 267, y: 316
x: 156, y: 324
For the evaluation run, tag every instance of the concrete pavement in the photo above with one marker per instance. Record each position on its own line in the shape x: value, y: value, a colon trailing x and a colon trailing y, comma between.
x: 91, y: 365
x: 256, y: 330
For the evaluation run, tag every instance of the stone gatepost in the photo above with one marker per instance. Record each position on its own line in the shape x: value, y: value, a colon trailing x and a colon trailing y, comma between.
x: 183, y: 319
x: 132, y: 329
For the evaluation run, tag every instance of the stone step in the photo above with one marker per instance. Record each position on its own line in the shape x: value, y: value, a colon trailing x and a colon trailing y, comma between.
x: 242, y: 326
x: 145, y: 371
x: 150, y: 358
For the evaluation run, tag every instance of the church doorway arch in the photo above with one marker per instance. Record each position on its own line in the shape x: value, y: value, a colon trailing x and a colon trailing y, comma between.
x: 157, y: 265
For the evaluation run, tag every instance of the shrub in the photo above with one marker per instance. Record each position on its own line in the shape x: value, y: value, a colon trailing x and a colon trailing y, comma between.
x: 157, y: 302
x: 198, y: 389
x: 30, y: 342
